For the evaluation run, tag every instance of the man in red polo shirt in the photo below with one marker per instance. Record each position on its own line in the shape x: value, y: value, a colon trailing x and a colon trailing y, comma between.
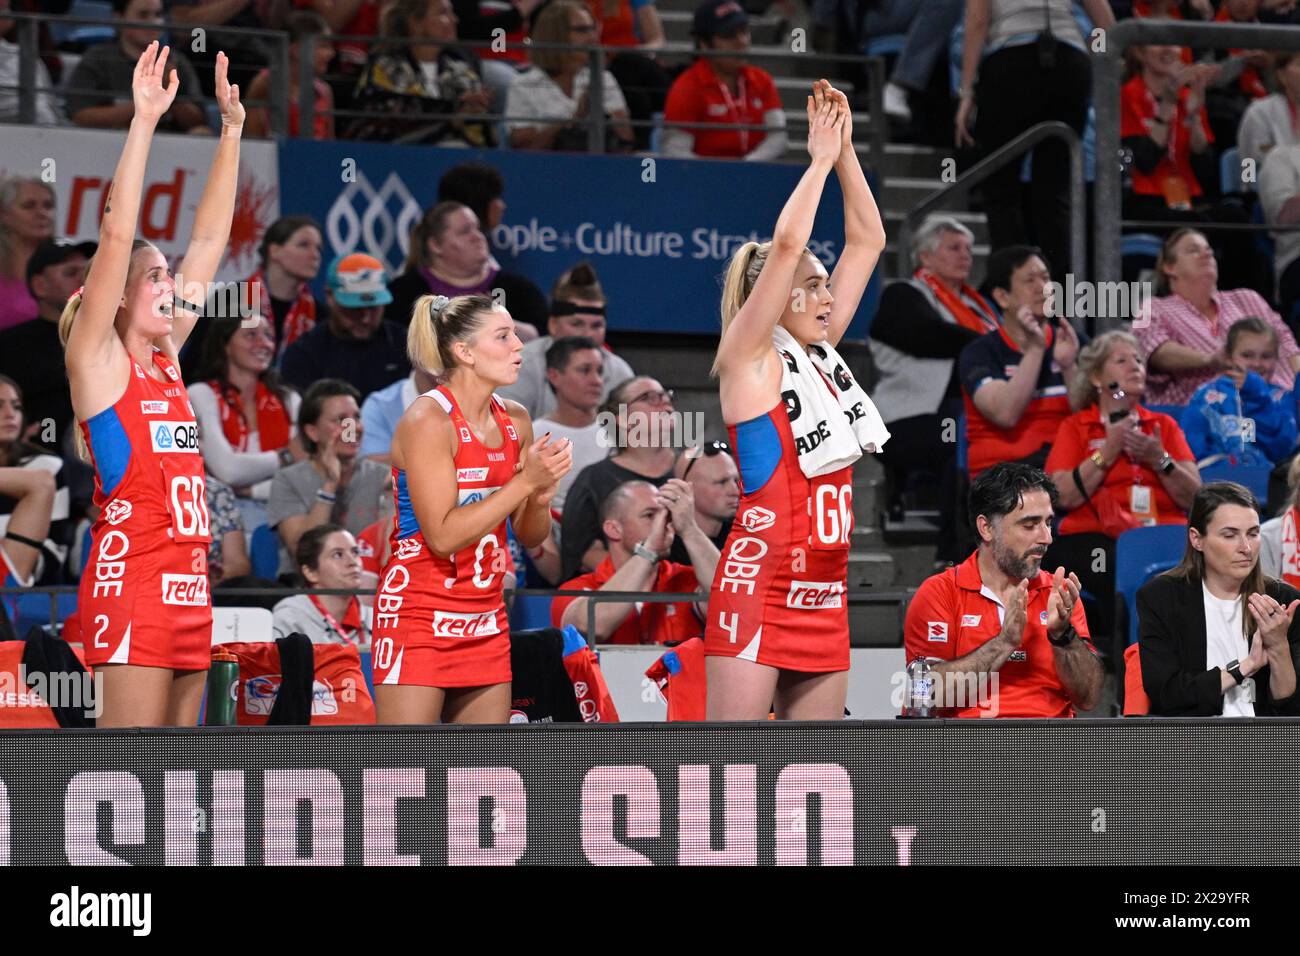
x: 1014, y: 378
x: 639, y: 523
x: 724, y: 89
x: 1007, y: 638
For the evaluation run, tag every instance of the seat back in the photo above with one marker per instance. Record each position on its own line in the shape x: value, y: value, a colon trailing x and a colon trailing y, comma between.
x: 1254, y: 477
x: 1140, y: 554
x: 264, y: 552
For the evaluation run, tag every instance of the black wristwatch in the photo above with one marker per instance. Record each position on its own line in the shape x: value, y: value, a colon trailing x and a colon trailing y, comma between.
x: 1067, y: 637
x: 1234, y: 668
x: 1166, y: 463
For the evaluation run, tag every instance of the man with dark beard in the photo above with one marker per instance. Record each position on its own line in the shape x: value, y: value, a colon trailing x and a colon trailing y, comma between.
x: 1006, y: 638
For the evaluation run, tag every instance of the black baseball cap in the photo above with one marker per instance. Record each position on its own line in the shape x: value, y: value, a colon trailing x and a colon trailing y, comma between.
x: 719, y: 18
x: 53, y: 252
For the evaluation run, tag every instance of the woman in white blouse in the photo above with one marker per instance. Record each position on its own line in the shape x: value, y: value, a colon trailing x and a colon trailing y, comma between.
x: 1215, y: 636
x: 546, y: 106
x: 246, y: 417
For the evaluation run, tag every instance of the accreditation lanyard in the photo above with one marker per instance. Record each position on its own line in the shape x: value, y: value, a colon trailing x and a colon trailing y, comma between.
x: 734, y: 106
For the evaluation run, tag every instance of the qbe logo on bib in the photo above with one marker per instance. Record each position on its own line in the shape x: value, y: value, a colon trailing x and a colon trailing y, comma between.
x: 174, y: 436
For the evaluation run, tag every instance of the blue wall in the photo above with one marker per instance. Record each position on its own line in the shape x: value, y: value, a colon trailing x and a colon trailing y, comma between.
x: 659, y: 247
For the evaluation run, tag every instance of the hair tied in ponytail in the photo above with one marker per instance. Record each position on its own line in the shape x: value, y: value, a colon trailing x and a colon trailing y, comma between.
x: 439, y: 303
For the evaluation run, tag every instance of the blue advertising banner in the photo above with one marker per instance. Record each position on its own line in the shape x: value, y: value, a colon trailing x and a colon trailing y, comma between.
x: 659, y: 232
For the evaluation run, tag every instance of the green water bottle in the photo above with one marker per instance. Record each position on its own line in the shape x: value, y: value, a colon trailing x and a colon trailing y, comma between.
x: 223, y: 689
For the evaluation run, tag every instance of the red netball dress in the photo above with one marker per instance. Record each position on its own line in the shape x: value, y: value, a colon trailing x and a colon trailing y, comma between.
x: 778, y: 595
x: 144, y: 593
x: 441, y: 622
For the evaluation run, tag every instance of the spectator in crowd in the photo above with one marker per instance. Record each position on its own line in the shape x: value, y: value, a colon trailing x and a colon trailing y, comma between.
x: 479, y: 21
x: 382, y: 410
x: 715, y: 484
x: 1238, y: 81
x: 356, y: 344
x: 419, y: 88
x: 1279, y: 197
x: 1116, y: 465
x: 246, y: 418
x: 1240, y: 416
x: 640, y: 521
x: 48, y: 110
x: 921, y: 326
x: 927, y: 27
x: 228, y: 553
x: 578, y: 307
x: 449, y: 255
x: 641, y: 411
x: 1024, y: 82
x: 1267, y: 122
x: 1015, y: 378
x: 36, y: 499
x: 1215, y: 636
x: 547, y: 105
x: 1184, y: 335
x: 574, y: 367
x: 1164, y: 127
x: 26, y: 220
x: 478, y: 186
x: 100, y: 86
x: 299, y: 25
x: 349, y: 18
x: 334, y: 485
x: 248, y: 54
x: 290, y: 255
x: 327, y: 557
x: 1000, y: 612
x: 1279, y: 538
x: 724, y: 89
x: 635, y: 27
x: 31, y: 353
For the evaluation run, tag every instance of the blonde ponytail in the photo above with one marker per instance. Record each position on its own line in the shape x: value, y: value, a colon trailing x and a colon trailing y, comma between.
x: 66, y: 318
x: 437, y: 323
x: 742, y: 272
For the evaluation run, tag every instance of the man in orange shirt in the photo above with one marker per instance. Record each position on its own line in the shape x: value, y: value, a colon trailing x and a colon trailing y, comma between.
x: 1007, y: 639
x: 639, y: 522
x: 724, y: 89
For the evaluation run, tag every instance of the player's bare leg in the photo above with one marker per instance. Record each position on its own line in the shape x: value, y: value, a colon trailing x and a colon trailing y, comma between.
x: 478, y: 705
x: 739, y: 690
x: 134, y: 696
x: 397, y: 704
x: 811, y: 696
x: 186, y: 698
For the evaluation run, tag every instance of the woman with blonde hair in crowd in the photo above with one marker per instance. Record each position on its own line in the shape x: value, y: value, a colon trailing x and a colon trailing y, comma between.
x: 778, y: 627
x: 464, y: 461
x: 144, y: 607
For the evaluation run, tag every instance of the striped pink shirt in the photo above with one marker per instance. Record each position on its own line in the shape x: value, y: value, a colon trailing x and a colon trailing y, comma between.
x: 1174, y: 319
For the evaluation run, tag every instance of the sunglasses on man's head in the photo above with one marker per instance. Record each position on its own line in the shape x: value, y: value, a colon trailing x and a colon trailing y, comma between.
x: 707, y: 450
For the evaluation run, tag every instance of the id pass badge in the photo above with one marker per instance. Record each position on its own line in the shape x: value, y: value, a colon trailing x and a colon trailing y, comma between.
x: 1143, y: 506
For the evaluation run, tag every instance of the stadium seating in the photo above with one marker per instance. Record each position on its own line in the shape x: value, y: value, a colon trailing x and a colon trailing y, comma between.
x: 1142, y: 553
x: 1254, y: 477
x: 264, y: 552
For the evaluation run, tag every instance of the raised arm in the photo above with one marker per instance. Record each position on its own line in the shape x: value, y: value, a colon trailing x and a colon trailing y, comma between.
x: 216, y: 209
x: 864, y: 231
x: 93, y: 342
x: 749, y: 336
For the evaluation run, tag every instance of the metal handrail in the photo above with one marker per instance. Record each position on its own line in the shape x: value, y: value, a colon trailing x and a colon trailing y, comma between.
x: 1107, y: 77
x: 852, y: 595
x: 999, y: 158
x: 29, y: 52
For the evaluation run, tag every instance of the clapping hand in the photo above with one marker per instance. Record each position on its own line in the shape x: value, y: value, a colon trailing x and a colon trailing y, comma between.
x: 1272, y: 619
x: 825, y: 125
x: 1060, y: 603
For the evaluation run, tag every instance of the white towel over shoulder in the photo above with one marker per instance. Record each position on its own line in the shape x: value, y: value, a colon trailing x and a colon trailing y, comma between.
x: 831, y: 428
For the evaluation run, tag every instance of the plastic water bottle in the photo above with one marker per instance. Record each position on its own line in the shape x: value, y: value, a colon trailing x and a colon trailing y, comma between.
x: 919, y: 701
x: 223, y: 689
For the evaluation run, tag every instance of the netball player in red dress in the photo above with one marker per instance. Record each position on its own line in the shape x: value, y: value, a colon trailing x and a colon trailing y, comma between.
x: 778, y: 623
x: 464, y: 461
x: 144, y: 609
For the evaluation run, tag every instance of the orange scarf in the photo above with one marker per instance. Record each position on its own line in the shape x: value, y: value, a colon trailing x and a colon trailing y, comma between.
x: 983, y: 321
x: 272, y: 417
